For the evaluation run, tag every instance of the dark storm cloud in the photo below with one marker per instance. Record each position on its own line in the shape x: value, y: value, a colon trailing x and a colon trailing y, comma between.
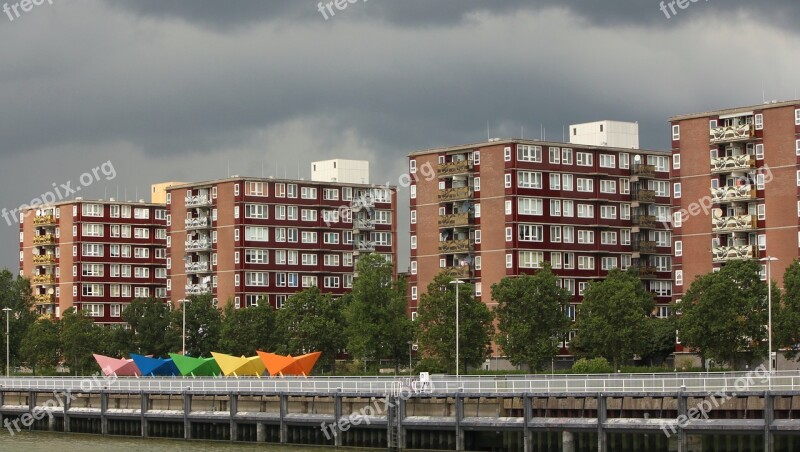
x: 637, y: 13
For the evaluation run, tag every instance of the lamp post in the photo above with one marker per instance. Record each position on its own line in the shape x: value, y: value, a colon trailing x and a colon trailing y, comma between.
x: 8, y: 347
x: 183, y: 331
x: 409, y: 357
x: 769, y: 260
x: 457, y: 282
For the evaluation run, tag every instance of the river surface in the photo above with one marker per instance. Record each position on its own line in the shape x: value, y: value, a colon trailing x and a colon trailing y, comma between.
x: 59, y: 442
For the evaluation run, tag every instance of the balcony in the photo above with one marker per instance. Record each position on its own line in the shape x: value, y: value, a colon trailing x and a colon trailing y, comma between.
x: 645, y: 271
x: 728, y: 134
x: 463, y: 272
x: 735, y: 223
x: 198, y: 245
x: 198, y: 223
x: 730, y: 253
x: 733, y: 194
x: 46, y: 239
x: 363, y: 202
x: 47, y: 259
x: 44, y: 299
x: 644, y: 221
x: 644, y: 196
x: 198, y: 289
x: 449, y: 169
x: 454, y: 220
x: 455, y: 246
x: 734, y: 163
x: 363, y: 245
x: 364, y: 224
x: 644, y: 247
x: 197, y: 201
x: 454, y: 194
x: 644, y: 171
x: 44, y: 220
x: 198, y: 267
x: 43, y: 280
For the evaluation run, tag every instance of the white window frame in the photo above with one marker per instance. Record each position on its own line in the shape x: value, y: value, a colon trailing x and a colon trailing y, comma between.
x: 676, y: 132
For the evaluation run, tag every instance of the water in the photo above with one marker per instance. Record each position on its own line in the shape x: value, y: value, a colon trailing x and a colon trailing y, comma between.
x: 49, y: 442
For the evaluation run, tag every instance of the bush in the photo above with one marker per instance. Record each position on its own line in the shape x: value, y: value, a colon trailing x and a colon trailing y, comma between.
x: 430, y: 365
x: 592, y: 366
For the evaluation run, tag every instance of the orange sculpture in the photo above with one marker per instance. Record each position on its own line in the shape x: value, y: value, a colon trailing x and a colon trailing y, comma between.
x: 289, y: 365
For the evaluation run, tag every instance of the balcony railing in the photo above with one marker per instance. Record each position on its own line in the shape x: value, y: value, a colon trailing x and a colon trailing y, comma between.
x: 732, y: 194
x: 646, y: 196
x: 644, y: 221
x: 448, y: 169
x: 197, y: 289
x: 455, y: 246
x: 364, y: 224
x: 730, y: 253
x: 734, y: 163
x: 732, y: 133
x: 43, y: 280
x: 47, y: 259
x: 454, y: 220
x: 197, y: 201
x: 454, y: 194
x: 734, y: 223
x: 462, y: 272
x: 198, y: 223
x: 647, y: 171
x: 645, y: 271
x: 198, y: 245
x: 365, y: 202
x: 644, y: 247
x: 197, y: 267
x: 363, y: 245
x: 47, y: 239
x: 44, y: 299
x: 44, y: 220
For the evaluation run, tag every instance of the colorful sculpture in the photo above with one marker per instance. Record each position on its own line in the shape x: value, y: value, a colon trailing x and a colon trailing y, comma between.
x: 155, y: 367
x: 289, y: 365
x: 195, y: 367
x: 239, y: 367
x: 119, y: 367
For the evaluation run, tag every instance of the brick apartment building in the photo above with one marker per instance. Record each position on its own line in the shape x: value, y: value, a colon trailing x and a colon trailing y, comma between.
x: 504, y: 207
x: 95, y: 256
x: 246, y: 239
x: 736, y: 176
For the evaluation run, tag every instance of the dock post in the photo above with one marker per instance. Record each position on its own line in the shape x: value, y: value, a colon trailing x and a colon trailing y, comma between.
x: 234, y: 408
x: 602, y: 415
x: 769, y: 415
x: 528, y: 415
x: 284, y: 411
x: 337, y: 415
x: 144, y: 399
x: 683, y: 445
x: 67, y: 404
x: 187, y: 409
x: 103, y: 414
x: 459, y: 419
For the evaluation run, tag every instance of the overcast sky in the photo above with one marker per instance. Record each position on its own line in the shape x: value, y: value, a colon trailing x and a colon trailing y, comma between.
x: 185, y: 89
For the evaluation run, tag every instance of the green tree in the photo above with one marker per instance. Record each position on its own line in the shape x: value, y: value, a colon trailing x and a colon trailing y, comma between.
x: 532, y: 320
x: 659, y: 343
x: 77, y: 334
x: 244, y: 331
x: 612, y: 320
x: 311, y: 321
x: 15, y: 294
x: 203, y: 325
x: 150, y: 321
x: 436, y: 327
x: 377, y: 323
x: 787, y: 312
x: 41, y: 348
x: 724, y: 313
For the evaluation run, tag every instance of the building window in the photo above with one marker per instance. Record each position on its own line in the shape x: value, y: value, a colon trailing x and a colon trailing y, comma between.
x: 607, y: 161
x: 530, y: 206
x: 529, y: 179
x: 531, y: 233
x: 92, y: 210
x: 555, y: 207
x: 676, y: 189
x: 676, y: 132
x: 585, y: 237
x: 678, y: 248
x: 608, y: 238
x: 476, y: 184
x: 608, y: 263
x: 762, y: 212
x: 585, y: 185
x: 584, y: 159
x: 676, y: 161
x: 509, y: 260
x: 568, y: 234
x: 608, y: 186
x: 527, y: 153
x: 760, y: 151
x: 567, y: 208
x: 531, y: 259
x: 93, y: 309
x: 567, y: 182
x: 566, y: 156
x: 759, y: 120
x: 555, y: 234
x: 585, y: 262
x: 555, y: 155
x: 507, y: 181
x: 509, y: 235
x: 608, y: 212
x: 507, y: 154
x: 678, y: 277
x: 477, y: 262
x: 413, y: 292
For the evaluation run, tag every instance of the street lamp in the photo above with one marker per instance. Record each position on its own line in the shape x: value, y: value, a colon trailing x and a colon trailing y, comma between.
x: 183, y: 331
x: 409, y: 357
x: 457, y: 282
x: 8, y: 347
x: 769, y: 260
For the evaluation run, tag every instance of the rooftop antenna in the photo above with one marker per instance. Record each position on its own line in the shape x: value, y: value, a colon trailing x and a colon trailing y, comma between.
x: 298, y: 170
x: 563, y: 134
x: 117, y: 191
x: 229, y: 168
x: 522, y: 132
x: 541, y: 131
x: 488, y: 134
x: 137, y: 193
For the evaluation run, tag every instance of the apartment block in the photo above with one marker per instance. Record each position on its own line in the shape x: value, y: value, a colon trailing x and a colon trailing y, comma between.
x: 248, y: 240
x: 736, y: 176
x: 95, y: 256
x: 503, y: 207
